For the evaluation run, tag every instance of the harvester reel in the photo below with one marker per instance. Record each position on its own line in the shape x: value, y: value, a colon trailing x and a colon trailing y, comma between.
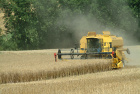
x: 72, y: 56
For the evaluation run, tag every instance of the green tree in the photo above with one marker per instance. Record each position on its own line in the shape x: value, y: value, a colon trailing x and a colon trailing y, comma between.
x: 33, y: 24
x: 20, y: 21
x: 51, y: 31
x: 135, y: 6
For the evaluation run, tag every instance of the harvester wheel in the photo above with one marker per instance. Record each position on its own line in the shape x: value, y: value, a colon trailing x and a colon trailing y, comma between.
x: 59, y: 52
x: 109, y: 56
x: 86, y: 57
x: 72, y: 51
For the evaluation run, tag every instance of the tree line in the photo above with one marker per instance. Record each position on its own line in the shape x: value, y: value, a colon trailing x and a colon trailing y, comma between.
x: 41, y: 24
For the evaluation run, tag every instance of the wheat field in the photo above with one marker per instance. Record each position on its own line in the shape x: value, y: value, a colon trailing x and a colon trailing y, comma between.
x: 124, y: 81
x: 35, y: 65
x: 36, y: 72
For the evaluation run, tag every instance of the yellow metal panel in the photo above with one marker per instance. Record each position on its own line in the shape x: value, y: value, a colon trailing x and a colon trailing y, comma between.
x: 117, y: 41
x: 119, y: 54
x: 114, y: 61
x: 120, y: 64
x: 106, y: 32
x: 91, y: 34
x: 83, y: 44
x: 106, y: 44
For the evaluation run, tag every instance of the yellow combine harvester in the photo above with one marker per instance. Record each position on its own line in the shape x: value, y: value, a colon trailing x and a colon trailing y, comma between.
x: 101, y: 46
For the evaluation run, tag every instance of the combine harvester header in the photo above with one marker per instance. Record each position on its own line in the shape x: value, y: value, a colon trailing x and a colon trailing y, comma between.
x: 100, y: 46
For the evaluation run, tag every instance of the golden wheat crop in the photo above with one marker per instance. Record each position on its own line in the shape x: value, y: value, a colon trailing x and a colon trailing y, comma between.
x: 28, y: 66
x: 126, y: 81
x: 37, y: 66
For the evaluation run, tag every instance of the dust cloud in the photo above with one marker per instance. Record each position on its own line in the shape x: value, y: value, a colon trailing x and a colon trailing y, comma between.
x: 80, y: 25
x: 72, y: 26
x: 133, y: 57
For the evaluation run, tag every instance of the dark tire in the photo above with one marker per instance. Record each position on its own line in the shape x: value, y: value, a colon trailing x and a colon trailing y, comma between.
x: 72, y: 56
x: 86, y: 57
x: 59, y: 52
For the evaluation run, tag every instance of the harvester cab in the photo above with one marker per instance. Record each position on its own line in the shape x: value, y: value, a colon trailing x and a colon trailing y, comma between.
x: 102, y: 46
